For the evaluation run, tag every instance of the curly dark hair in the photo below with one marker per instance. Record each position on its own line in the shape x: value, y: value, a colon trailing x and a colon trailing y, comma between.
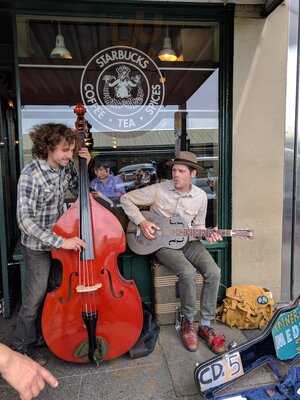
x: 46, y: 137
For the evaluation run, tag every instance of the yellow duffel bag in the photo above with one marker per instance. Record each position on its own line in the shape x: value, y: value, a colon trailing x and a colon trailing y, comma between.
x: 246, y: 307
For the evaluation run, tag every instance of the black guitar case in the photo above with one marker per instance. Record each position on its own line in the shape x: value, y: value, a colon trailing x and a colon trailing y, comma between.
x: 210, y: 376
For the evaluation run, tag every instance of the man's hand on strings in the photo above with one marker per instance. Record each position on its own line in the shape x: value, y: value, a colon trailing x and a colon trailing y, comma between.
x: 84, y: 153
x: 149, y: 229
x: 213, y: 236
x: 73, y: 243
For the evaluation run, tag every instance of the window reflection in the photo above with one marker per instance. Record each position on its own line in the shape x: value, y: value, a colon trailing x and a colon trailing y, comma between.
x: 133, y: 159
x: 138, y: 175
x: 105, y: 181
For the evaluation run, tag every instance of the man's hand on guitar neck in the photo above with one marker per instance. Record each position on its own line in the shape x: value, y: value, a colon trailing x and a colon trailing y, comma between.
x: 148, y: 229
x: 213, y: 236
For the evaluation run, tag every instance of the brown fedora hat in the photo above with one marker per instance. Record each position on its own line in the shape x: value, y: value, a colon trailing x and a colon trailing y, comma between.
x: 185, y: 158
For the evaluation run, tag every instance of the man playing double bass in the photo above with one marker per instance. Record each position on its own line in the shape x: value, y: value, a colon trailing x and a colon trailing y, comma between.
x: 180, y: 196
x: 41, y: 191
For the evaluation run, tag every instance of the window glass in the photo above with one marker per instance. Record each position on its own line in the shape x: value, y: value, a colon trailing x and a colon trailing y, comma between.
x: 143, y: 116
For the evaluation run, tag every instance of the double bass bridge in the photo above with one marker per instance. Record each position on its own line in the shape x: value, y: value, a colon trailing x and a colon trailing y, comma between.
x: 88, y: 289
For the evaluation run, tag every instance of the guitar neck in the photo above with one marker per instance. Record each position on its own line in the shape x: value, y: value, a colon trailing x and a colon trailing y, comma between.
x: 202, y: 232
x: 199, y: 232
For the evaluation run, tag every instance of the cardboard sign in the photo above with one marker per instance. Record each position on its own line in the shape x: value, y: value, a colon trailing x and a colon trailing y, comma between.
x: 286, y: 334
x: 223, y: 370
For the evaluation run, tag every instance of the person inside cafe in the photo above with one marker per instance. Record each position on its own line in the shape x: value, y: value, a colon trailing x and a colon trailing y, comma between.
x: 105, y: 183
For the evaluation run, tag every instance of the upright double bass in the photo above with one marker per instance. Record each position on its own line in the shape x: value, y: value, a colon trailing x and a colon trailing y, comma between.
x: 95, y: 314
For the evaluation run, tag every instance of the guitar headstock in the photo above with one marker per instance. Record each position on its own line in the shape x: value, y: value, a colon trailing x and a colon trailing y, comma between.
x: 243, y: 233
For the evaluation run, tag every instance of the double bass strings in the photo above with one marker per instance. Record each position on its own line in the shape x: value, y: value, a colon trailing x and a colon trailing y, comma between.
x: 90, y: 263
x: 83, y: 273
x: 86, y: 272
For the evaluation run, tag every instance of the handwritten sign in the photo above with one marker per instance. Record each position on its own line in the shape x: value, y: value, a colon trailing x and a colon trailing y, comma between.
x: 286, y: 334
x: 223, y: 370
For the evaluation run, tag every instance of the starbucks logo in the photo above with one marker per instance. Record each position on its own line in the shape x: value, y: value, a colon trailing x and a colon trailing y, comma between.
x: 122, y: 88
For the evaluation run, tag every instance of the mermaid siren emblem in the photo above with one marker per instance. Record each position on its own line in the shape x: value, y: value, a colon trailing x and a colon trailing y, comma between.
x: 123, y: 85
x: 122, y: 88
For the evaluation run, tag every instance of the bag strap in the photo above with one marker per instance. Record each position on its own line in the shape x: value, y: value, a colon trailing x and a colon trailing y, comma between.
x: 273, y: 364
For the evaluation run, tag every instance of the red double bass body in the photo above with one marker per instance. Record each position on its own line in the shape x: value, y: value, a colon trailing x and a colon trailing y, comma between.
x: 95, y: 314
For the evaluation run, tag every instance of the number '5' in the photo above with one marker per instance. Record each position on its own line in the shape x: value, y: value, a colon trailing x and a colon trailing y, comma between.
x: 235, y: 366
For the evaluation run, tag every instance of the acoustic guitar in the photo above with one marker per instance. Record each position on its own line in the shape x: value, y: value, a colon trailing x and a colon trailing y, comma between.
x: 174, y: 233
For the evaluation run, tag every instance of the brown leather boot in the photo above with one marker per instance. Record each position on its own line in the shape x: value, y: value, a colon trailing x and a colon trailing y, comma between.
x: 189, y: 335
x: 215, y: 342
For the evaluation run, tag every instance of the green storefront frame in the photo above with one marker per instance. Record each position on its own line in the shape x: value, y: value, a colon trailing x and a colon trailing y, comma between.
x: 223, y: 15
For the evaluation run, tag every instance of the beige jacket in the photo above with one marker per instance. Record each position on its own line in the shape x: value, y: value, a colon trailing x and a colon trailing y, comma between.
x: 164, y: 199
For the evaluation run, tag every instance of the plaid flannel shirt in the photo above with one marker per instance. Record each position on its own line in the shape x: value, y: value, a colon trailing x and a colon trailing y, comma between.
x: 41, y: 193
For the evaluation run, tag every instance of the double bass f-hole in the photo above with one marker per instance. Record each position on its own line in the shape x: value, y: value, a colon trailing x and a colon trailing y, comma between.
x: 112, y: 289
x: 69, y: 295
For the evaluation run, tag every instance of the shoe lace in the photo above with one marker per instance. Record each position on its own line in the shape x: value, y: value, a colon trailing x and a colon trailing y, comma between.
x: 189, y: 326
x: 218, y: 340
x: 215, y: 340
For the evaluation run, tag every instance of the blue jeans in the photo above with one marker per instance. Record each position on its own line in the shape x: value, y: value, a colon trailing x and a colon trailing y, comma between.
x: 184, y: 263
x: 38, y: 265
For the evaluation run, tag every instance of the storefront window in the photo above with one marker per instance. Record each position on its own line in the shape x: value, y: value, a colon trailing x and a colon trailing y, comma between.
x: 155, y: 93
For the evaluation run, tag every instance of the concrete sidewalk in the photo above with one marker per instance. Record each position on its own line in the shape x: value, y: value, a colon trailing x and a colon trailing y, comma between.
x: 166, y: 374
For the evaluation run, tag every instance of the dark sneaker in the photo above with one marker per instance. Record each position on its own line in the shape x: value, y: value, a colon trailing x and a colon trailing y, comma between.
x: 216, y: 343
x: 36, y: 356
x: 189, y: 335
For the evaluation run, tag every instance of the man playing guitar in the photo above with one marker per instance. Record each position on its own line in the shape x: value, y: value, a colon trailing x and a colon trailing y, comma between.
x: 179, y: 196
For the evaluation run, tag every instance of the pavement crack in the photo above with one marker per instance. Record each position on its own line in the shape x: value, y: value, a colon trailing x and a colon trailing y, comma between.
x: 80, y: 386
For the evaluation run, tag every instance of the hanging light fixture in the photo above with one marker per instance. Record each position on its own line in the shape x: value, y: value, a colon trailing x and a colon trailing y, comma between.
x: 60, y: 51
x: 167, y: 53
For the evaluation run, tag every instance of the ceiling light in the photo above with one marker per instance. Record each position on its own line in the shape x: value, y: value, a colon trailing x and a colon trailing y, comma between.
x: 167, y: 53
x: 60, y: 51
